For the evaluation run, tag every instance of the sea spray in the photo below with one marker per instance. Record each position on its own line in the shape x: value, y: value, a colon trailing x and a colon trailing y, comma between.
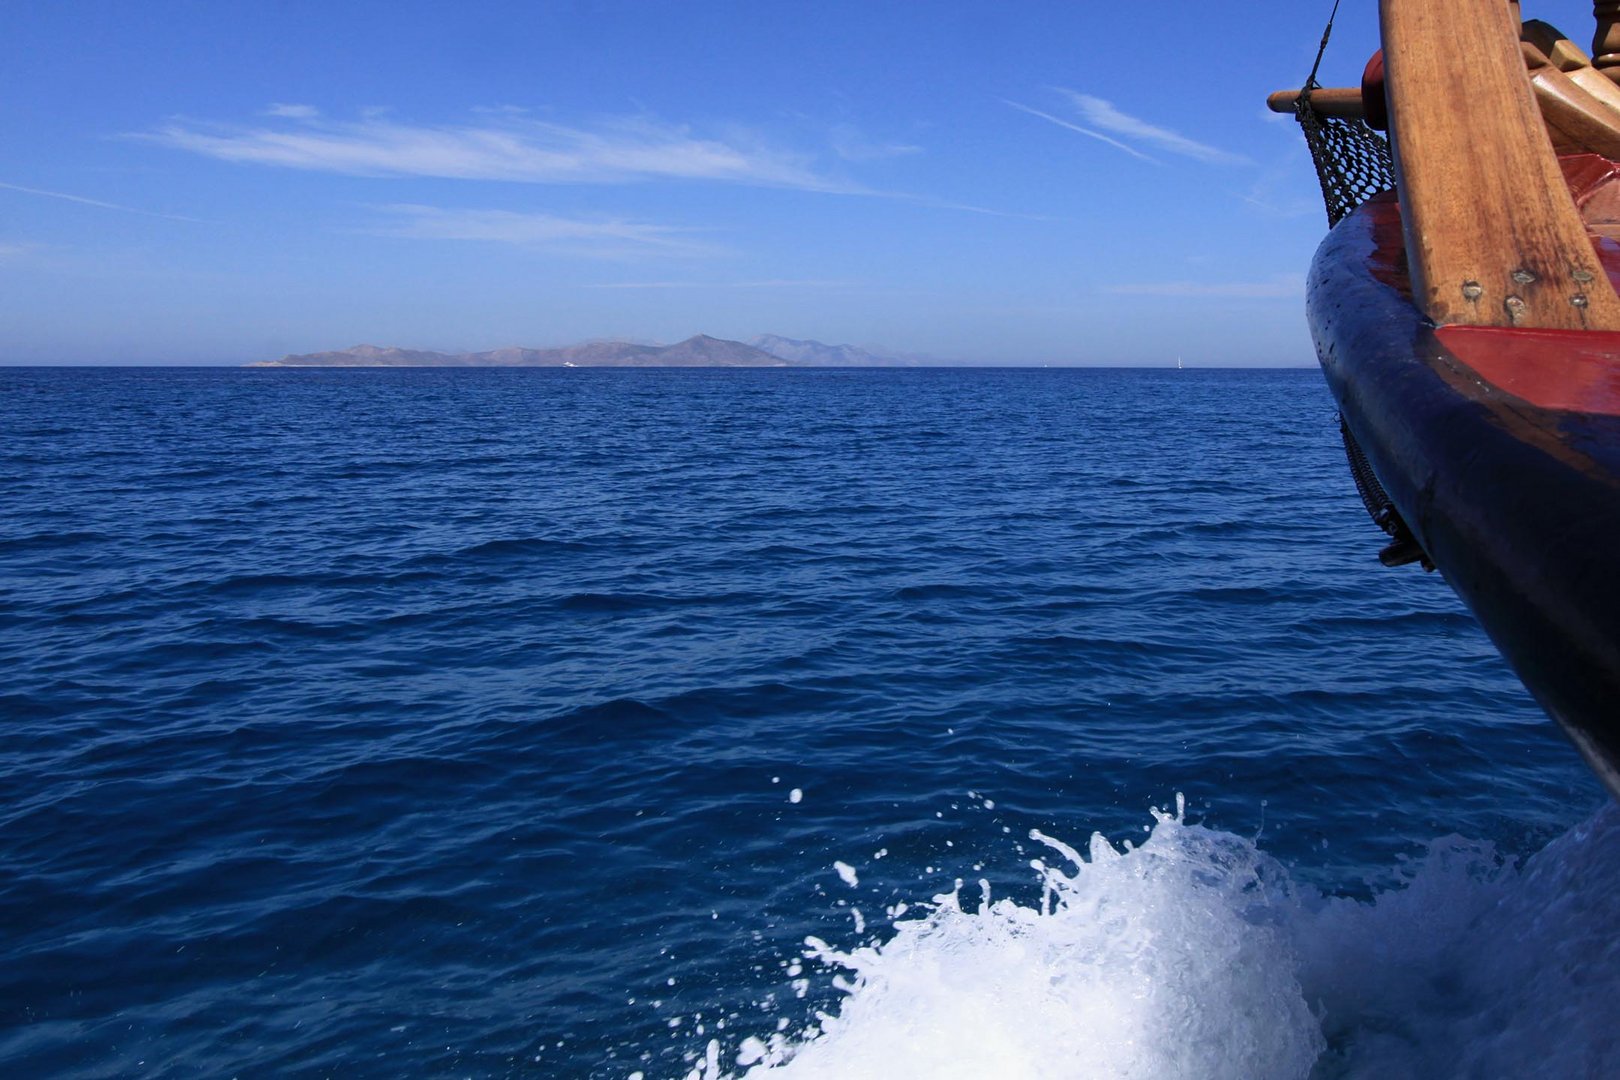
x: 1196, y: 955
x: 1476, y: 967
x: 1153, y: 961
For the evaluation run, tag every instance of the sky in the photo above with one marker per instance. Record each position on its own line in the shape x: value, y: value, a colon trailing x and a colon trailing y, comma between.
x: 1024, y: 183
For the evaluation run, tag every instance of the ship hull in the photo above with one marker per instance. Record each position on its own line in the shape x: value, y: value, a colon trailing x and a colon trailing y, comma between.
x: 1500, y: 449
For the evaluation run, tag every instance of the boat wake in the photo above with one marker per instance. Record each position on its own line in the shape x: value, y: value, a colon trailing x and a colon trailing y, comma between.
x: 1196, y: 954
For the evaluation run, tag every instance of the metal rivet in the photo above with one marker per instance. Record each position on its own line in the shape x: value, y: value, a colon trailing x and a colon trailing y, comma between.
x: 1523, y: 277
x: 1582, y: 276
x: 1471, y: 290
x: 1578, y: 300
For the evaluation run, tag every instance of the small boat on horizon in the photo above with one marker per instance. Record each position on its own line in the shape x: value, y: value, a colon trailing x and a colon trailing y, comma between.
x: 1464, y: 311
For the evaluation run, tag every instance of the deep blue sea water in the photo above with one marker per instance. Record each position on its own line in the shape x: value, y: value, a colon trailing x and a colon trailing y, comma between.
x: 528, y: 722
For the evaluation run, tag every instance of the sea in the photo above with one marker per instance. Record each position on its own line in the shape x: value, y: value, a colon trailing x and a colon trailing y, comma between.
x: 686, y: 724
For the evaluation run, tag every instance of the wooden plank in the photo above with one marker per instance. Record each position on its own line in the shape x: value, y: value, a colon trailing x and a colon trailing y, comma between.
x: 1568, y: 57
x: 1561, y: 52
x: 1492, y: 235
x: 1577, y: 122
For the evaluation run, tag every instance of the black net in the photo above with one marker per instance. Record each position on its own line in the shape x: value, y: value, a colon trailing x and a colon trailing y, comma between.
x: 1352, y: 160
x: 1372, y: 493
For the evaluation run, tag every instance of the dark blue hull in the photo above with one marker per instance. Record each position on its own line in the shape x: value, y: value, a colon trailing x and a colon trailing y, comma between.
x: 1516, y: 504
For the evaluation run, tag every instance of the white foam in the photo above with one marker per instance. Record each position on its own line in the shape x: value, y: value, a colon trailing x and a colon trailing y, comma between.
x: 1196, y: 955
x: 1478, y: 967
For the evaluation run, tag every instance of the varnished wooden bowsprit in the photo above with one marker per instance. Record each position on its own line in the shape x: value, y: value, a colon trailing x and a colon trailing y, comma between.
x: 1341, y: 102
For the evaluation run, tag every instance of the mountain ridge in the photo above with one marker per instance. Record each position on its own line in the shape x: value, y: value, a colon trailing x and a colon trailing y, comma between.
x: 817, y: 354
x: 699, y: 350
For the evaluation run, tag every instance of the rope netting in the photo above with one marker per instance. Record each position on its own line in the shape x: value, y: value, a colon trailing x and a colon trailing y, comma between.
x: 1352, y: 160
x: 1353, y: 164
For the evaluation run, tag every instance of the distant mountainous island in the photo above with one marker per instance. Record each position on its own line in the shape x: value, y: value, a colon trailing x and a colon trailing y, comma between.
x: 767, y: 350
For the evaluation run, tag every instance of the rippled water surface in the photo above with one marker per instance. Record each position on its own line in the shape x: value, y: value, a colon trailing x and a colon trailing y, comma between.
x: 511, y: 722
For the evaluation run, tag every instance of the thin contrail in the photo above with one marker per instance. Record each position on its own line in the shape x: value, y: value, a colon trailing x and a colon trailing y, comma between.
x: 1115, y: 143
x: 98, y: 203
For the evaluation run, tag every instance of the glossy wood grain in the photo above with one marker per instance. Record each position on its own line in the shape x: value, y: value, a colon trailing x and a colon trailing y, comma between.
x: 1492, y: 234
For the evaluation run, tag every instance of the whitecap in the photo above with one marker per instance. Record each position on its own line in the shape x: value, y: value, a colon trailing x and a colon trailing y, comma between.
x: 1196, y: 955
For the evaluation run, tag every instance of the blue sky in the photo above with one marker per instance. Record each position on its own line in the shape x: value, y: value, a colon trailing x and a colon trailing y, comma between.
x: 1034, y: 182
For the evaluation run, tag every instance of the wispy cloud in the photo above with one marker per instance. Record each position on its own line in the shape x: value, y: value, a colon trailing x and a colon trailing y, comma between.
x: 80, y: 199
x: 966, y: 208
x: 1282, y: 287
x: 1261, y: 198
x: 1087, y: 131
x: 1102, y: 114
x: 851, y: 144
x: 508, y: 145
x: 291, y: 112
x: 773, y: 283
x: 606, y: 238
x: 1131, y: 150
x: 1285, y: 186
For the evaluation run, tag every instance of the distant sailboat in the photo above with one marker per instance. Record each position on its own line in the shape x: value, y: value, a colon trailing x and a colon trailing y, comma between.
x: 1178, y: 364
